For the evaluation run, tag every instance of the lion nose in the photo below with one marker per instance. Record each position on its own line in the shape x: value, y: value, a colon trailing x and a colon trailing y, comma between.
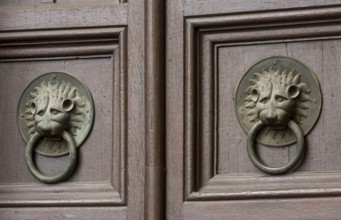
x: 44, y: 128
x: 271, y: 119
x: 271, y: 116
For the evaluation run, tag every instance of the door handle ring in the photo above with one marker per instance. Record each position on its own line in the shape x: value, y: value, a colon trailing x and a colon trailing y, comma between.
x: 275, y: 170
x: 51, y: 179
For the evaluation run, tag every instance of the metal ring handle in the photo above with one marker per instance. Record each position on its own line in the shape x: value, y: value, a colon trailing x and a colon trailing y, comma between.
x: 53, y: 179
x: 275, y: 170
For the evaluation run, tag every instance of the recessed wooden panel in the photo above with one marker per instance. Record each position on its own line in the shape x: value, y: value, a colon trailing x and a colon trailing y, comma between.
x: 322, y: 57
x: 217, y: 56
x: 98, y: 146
x: 99, y: 156
x: 212, y: 172
x: 100, y: 174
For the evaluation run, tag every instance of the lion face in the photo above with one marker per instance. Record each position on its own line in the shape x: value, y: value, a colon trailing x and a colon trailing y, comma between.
x: 275, y: 97
x: 55, y: 107
x: 52, y: 117
x: 275, y: 103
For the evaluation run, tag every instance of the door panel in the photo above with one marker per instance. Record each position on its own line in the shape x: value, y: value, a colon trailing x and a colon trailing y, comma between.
x: 322, y: 57
x: 93, y: 41
x: 101, y: 172
x: 20, y: 73
x: 99, y: 155
x: 210, y: 45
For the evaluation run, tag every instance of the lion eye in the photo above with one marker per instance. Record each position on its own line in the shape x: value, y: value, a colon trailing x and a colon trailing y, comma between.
x: 41, y: 113
x: 54, y: 112
x: 280, y: 99
x: 264, y: 100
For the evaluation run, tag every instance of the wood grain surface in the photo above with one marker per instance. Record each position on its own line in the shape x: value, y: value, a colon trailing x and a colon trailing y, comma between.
x: 94, y: 41
x: 49, y: 16
x: 155, y: 110
x: 164, y: 98
x: 222, y: 40
x: 98, y: 213
x: 281, y: 209
x: 98, y: 146
x: 174, y: 108
x: 135, y: 110
x: 322, y: 57
x: 37, y: 2
x: 215, y: 7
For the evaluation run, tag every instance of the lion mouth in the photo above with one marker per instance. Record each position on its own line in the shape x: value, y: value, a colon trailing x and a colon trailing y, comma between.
x: 53, y: 138
x: 275, y: 123
x: 277, y: 127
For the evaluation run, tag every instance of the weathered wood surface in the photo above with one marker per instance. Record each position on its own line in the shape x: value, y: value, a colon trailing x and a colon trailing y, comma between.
x: 214, y: 7
x: 135, y: 111
x: 94, y: 154
x: 281, y: 209
x: 37, y: 2
x: 105, y: 64
x: 51, y: 16
x: 85, y: 213
x: 322, y: 143
x: 174, y: 108
x: 155, y: 110
x: 240, y: 42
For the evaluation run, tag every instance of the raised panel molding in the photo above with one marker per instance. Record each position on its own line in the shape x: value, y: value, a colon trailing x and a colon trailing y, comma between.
x: 108, y: 42
x: 52, y: 44
x: 204, y: 36
x: 215, y: 7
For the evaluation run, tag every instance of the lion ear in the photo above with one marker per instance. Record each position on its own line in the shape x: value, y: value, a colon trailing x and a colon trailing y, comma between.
x: 254, y: 95
x: 293, y: 91
x: 67, y: 105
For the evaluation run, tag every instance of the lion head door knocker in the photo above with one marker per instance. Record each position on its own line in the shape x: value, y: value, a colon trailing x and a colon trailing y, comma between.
x: 278, y: 101
x: 55, y: 115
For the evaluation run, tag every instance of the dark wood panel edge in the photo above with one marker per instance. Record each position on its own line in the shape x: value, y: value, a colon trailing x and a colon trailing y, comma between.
x: 123, y: 114
x: 154, y: 110
x: 190, y: 121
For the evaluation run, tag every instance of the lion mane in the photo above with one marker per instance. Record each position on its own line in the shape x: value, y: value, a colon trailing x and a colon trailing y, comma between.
x: 283, y: 79
x: 58, y: 92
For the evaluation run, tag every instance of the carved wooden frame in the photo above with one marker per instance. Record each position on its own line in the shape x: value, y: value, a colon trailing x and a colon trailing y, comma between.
x: 204, y: 36
x: 88, y: 42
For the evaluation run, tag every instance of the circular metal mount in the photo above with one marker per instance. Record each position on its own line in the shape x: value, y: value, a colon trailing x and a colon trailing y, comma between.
x: 50, y: 104
x: 307, y: 106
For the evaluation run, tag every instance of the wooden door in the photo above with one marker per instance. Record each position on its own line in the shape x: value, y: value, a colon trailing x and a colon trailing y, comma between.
x: 210, y: 44
x: 106, y: 44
